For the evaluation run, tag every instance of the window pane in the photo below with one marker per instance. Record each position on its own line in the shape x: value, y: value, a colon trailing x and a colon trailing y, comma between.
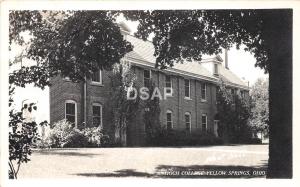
x: 169, y: 117
x: 169, y: 125
x: 70, y: 118
x: 70, y: 108
x: 187, y: 118
x: 168, y: 81
x: 187, y: 88
x: 203, y: 91
x: 96, y: 76
x: 96, y: 110
x: 204, y: 123
x: 146, y: 78
x: 147, y: 74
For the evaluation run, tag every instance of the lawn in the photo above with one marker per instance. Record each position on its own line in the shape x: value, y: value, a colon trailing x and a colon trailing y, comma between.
x: 200, y: 162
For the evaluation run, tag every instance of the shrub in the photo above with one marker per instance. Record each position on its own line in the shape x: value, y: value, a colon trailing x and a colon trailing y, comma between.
x: 95, y: 136
x: 63, y: 134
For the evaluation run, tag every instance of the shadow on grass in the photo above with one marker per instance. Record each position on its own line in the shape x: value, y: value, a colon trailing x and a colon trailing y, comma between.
x: 192, y: 171
x: 64, y: 153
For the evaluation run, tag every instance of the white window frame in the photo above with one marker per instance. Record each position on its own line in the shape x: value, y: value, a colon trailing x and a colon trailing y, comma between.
x: 171, y: 88
x: 101, y: 112
x: 169, y: 112
x: 189, y: 97
x: 204, y: 85
x: 150, y: 75
x: 204, y: 115
x: 73, y: 102
x: 100, y: 78
x: 190, y: 120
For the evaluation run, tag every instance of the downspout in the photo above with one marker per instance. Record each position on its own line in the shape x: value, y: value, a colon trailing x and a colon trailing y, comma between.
x: 84, y: 101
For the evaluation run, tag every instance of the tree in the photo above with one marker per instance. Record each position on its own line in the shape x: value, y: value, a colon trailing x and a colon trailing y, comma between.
x: 259, y: 94
x: 73, y: 44
x: 187, y: 34
x: 151, y: 115
x: 123, y: 110
x: 22, y: 135
x: 233, y: 113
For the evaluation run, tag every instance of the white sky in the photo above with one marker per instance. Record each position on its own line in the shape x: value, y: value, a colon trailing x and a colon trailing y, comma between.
x: 240, y: 62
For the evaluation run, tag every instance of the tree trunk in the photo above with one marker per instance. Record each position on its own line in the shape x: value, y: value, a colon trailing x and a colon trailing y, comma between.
x: 279, y: 26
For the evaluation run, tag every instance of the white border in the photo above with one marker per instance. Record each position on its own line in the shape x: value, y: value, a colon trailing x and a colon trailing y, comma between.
x: 187, y: 4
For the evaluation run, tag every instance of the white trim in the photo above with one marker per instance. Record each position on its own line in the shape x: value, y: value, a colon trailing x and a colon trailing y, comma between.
x: 190, y: 119
x: 169, y: 112
x: 73, y: 102
x: 100, y: 78
x: 101, y: 112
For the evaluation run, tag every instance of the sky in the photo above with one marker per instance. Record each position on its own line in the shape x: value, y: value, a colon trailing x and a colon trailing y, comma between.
x: 240, y: 62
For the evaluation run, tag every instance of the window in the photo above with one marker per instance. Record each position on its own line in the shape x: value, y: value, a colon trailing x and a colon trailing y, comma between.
x: 187, y: 90
x: 216, y: 124
x: 97, y: 77
x: 204, y: 122
x: 168, y: 85
x: 97, y: 114
x: 232, y: 91
x: 203, y: 91
x: 169, y: 120
x: 187, y: 117
x: 216, y: 72
x: 147, y: 77
x: 71, y: 112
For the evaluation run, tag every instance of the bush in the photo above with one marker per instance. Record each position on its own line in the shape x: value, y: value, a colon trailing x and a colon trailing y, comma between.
x: 164, y: 137
x: 95, y: 137
x: 63, y: 134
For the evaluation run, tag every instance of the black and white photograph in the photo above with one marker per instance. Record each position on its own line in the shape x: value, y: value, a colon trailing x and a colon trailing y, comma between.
x: 148, y: 93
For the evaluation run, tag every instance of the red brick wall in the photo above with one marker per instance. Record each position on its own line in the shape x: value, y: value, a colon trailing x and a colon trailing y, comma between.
x: 62, y: 90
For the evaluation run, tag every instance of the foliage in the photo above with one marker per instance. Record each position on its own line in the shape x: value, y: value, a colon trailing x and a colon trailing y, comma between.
x: 22, y: 135
x: 259, y: 119
x: 64, y: 135
x: 96, y: 136
x: 165, y: 137
x: 122, y: 109
x: 188, y: 34
x: 151, y: 113
x: 72, y: 44
x: 233, y: 113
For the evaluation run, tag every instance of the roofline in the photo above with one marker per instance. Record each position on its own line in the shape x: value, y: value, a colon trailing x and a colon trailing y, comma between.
x: 236, y: 85
x: 172, y: 70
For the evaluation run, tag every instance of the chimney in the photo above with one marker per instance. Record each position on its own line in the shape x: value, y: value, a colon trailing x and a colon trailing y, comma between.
x: 226, y: 59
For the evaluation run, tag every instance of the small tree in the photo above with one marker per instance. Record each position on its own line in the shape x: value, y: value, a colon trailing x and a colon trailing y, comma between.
x: 22, y: 135
x: 259, y: 119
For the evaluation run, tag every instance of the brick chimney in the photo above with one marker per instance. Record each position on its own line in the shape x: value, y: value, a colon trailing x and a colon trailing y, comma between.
x: 226, y: 59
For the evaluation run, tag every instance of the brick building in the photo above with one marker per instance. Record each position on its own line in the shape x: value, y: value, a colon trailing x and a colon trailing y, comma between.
x: 191, y: 107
